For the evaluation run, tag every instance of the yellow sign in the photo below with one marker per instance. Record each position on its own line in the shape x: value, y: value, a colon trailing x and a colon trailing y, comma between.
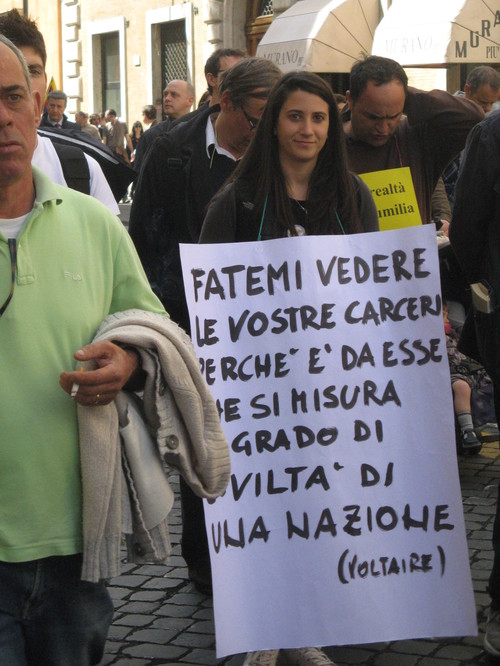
x: 394, y: 197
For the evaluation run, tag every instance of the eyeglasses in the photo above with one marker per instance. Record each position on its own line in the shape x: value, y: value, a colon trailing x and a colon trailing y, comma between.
x: 251, y: 123
x: 12, y: 252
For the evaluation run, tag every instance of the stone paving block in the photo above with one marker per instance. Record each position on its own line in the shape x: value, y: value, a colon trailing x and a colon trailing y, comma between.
x: 146, y: 607
x: 117, y: 593
x: 430, y: 661
x: 168, y: 653
x: 203, y: 657
x: 129, y: 580
x: 153, y: 570
x: 169, y: 610
x: 205, y: 627
x: 474, y: 641
x: 174, y: 623
x: 150, y: 635
x: 235, y: 660
x: 480, y: 565
x: 147, y: 595
x: 133, y: 620
x: 126, y: 567
x: 414, y: 647
x: 113, y: 647
x: 480, y: 574
x: 480, y: 539
x: 118, y: 633
x: 458, y: 652
x: 190, y: 639
x: 390, y: 659
x: 204, y: 614
x: 185, y: 598
x: 164, y: 583
x: 482, y: 599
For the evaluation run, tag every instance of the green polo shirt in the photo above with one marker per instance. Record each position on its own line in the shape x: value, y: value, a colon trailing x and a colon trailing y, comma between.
x: 75, y: 265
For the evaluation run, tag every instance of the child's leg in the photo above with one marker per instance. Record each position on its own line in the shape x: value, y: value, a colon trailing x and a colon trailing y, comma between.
x: 461, y: 404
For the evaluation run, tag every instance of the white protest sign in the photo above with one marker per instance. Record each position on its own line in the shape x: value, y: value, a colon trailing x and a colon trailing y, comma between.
x: 342, y: 522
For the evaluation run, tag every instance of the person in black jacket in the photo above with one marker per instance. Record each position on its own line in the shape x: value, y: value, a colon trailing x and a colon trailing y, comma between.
x: 57, y: 100
x: 182, y: 171
x: 217, y: 63
x: 475, y: 238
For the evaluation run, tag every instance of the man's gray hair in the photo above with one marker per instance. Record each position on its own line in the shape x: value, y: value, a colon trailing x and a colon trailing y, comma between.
x: 247, y: 76
x: 21, y: 59
x: 481, y: 76
x: 57, y: 94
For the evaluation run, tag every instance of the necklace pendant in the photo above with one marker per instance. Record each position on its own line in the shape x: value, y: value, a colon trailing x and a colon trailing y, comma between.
x: 299, y: 230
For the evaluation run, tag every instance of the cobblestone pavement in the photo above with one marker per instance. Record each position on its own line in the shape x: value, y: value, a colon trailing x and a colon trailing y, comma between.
x: 161, y: 619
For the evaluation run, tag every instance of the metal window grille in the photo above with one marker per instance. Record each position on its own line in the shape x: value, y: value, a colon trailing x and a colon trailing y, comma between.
x: 266, y: 8
x: 110, y: 59
x: 174, y: 51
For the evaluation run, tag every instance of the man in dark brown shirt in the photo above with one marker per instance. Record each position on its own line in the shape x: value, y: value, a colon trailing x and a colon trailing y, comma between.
x: 389, y: 125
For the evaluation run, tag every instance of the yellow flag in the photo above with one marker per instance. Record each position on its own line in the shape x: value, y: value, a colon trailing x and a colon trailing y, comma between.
x: 52, y: 86
x: 394, y: 197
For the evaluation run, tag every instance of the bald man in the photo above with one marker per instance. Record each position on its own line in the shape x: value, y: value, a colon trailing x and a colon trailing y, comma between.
x: 178, y: 98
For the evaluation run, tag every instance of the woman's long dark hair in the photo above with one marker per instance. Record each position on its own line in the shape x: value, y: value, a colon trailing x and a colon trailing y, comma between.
x: 134, y: 139
x: 331, y: 189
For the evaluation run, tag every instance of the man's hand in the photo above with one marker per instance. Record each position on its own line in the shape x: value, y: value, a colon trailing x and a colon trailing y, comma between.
x: 100, y: 386
x: 445, y: 227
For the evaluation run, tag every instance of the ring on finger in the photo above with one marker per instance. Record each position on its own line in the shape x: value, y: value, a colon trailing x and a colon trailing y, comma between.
x: 97, y: 399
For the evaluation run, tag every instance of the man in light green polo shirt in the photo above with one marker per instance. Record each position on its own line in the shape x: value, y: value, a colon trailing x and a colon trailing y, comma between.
x: 66, y: 263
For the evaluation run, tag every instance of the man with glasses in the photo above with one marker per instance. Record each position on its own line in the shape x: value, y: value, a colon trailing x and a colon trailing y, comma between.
x: 182, y: 171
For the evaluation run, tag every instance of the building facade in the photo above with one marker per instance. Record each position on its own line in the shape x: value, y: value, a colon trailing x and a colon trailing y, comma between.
x: 118, y: 54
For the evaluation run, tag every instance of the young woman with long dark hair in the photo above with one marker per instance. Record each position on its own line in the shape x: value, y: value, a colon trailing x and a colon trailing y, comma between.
x: 293, y: 179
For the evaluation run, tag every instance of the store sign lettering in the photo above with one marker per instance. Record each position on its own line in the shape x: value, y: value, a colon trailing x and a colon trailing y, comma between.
x: 282, y: 58
x: 492, y: 52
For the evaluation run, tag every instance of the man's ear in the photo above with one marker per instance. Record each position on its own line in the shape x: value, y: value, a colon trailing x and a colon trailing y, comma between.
x: 225, y: 102
x: 37, y: 102
x: 467, y: 90
x: 211, y: 79
x: 348, y: 98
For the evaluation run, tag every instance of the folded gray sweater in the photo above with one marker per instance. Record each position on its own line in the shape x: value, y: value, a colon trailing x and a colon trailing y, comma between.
x: 182, y: 422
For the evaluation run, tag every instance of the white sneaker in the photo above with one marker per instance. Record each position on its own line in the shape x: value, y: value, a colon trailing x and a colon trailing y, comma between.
x: 262, y: 658
x: 306, y: 657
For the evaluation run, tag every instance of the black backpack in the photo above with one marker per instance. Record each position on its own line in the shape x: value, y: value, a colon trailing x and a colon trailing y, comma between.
x: 75, y: 167
x: 116, y: 171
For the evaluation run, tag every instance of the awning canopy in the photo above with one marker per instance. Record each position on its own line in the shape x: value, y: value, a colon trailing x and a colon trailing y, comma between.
x: 321, y: 35
x: 437, y: 32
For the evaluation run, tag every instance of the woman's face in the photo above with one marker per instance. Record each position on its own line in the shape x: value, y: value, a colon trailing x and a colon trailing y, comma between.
x: 302, y: 128
x: 137, y: 130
